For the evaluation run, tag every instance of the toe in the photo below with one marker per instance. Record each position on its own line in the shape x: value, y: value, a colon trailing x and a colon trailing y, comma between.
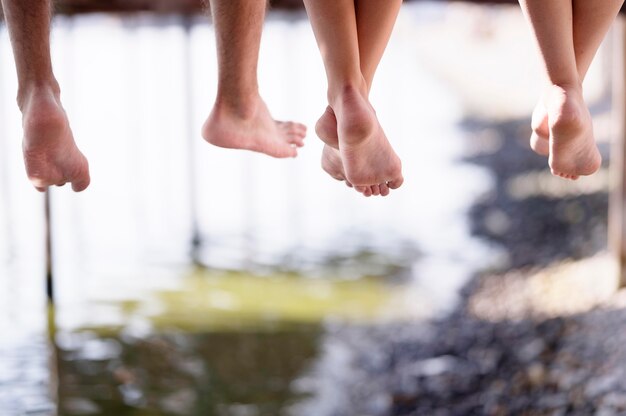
x: 396, y: 183
x: 293, y: 128
x: 295, y: 139
x: 81, y: 180
x: 79, y: 185
x: 284, y: 151
x: 361, y: 189
x: 384, y: 189
x: 375, y: 190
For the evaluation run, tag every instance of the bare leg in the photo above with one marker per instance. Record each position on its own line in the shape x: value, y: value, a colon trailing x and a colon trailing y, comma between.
x: 366, y: 155
x: 50, y: 153
x: 572, y: 149
x: 240, y: 119
x: 374, y: 27
x: 590, y: 23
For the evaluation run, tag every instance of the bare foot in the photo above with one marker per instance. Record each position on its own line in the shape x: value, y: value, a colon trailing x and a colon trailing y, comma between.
x: 50, y: 153
x: 539, y: 138
x: 331, y: 163
x: 253, y: 129
x: 326, y: 129
x: 573, y: 151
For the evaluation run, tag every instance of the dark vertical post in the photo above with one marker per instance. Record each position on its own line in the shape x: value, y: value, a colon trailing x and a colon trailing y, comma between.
x: 49, y: 261
x: 617, y: 198
x: 196, y: 237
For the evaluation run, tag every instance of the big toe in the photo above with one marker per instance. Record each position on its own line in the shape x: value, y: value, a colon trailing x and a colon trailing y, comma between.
x: 395, y: 183
x: 283, y: 151
x: 81, y: 179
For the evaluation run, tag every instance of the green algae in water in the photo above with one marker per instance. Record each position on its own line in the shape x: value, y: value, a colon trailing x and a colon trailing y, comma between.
x: 209, y: 300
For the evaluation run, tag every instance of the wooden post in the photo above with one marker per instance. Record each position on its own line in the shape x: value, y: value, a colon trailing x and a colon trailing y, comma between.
x: 617, y: 190
x: 196, y: 237
x: 49, y: 263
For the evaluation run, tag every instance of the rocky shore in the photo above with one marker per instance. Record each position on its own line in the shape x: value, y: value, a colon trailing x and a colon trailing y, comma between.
x: 542, y: 335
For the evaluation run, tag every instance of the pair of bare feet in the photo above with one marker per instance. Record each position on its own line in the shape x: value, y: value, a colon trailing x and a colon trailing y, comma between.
x: 356, y: 149
x: 563, y: 130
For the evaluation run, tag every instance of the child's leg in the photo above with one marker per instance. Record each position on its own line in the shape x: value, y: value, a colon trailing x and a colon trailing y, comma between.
x: 572, y: 147
x: 374, y: 27
x: 240, y: 118
x: 50, y: 153
x: 366, y: 30
x: 590, y: 23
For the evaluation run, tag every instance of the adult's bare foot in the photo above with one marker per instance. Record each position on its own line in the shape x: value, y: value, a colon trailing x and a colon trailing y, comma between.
x: 540, y: 136
x: 368, y: 158
x: 326, y: 130
x: 253, y: 128
x: 573, y: 151
x: 51, y: 156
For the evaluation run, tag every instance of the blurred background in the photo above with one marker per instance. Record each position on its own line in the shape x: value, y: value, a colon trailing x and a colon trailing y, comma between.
x: 193, y: 280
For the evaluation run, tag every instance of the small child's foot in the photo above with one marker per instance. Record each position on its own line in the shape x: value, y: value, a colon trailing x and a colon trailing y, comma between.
x: 539, y: 138
x: 253, y: 129
x: 50, y: 153
x: 573, y: 151
x: 326, y: 129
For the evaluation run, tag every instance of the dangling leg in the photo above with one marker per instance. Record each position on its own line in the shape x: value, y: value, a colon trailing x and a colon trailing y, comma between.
x: 366, y: 154
x: 374, y: 26
x: 240, y: 119
x: 591, y: 21
x: 50, y: 153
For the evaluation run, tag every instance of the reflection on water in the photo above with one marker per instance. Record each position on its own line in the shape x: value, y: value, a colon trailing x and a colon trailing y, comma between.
x: 220, y: 373
x: 289, y: 255
x: 220, y: 343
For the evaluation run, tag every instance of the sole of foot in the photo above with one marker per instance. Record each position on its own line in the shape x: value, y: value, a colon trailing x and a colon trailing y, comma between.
x: 51, y: 156
x: 573, y: 151
x: 253, y: 130
x: 367, y: 156
x: 326, y: 129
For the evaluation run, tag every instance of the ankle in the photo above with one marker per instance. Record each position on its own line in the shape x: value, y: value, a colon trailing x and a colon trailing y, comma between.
x: 566, y: 107
x: 27, y: 93
x: 338, y: 91
x: 244, y: 108
x: 565, y: 88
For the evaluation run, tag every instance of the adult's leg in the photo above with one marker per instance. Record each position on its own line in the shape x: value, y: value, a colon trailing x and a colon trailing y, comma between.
x: 591, y: 21
x: 374, y: 27
x: 573, y: 151
x: 366, y: 154
x: 240, y: 119
x: 50, y: 153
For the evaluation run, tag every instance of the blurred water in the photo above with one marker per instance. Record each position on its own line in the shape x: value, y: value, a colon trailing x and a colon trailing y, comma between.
x: 137, y: 327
